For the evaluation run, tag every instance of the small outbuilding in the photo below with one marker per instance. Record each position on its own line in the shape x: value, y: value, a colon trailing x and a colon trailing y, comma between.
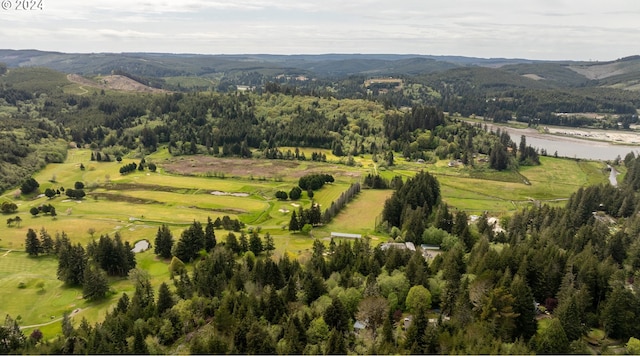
x: 345, y: 235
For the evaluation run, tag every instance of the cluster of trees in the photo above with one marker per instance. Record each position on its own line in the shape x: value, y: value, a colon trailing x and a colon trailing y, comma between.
x: 8, y: 207
x: 128, y: 168
x: 314, y: 181
x: 375, y: 181
x: 76, y: 194
x: 305, y: 218
x: 254, y: 243
x: 35, y: 245
x: 398, y: 126
x: 112, y: 255
x: 275, y: 153
x: 29, y: 186
x: 50, y: 192
x: 131, y: 167
x: 15, y: 221
x: 11, y: 337
x: 101, y: 157
x: 88, y: 267
x: 228, y: 224
x: 527, y: 155
x: 44, y: 209
x: 282, y: 195
x: 193, y: 240
x: 411, y: 204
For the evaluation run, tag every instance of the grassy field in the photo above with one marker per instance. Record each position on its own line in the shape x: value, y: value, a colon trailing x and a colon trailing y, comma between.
x: 135, y: 204
x: 30, y: 291
x: 181, y: 191
x: 360, y: 214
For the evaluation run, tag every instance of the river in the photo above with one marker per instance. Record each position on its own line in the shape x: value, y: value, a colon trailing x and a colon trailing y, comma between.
x: 569, y: 146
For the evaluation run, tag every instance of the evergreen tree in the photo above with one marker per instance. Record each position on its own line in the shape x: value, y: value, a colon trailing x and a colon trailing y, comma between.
x: 552, y: 340
x: 139, y: 345
x: 526, y: 324
x: 209, y: 235
x: 95, y: 284
x: 293, y: 223
x: 32, y: 243
x: 112, y: 255
x: 72, y: 260
x: 190, y: 243
x: 142, y: 302
x: 11, y: 337
x: 46, y: 242
x: 336, y: 316
x: 269, y: 244
x: 569, y: 315
x: 163, y: 242
x: 244, y: 242
x: 295, y: 193
x: 498, y: 157
x: 232, y: 243
x: 165, y: 299
x: 336, y: 344
x: 255, y: 244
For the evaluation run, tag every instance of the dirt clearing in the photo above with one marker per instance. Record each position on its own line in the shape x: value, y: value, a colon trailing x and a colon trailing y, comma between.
x: 256, y: 168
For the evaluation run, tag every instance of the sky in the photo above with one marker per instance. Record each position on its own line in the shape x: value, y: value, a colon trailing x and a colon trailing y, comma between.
x: 533, y: 29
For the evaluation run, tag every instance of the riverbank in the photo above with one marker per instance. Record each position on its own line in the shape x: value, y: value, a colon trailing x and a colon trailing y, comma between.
x: 592, y: 144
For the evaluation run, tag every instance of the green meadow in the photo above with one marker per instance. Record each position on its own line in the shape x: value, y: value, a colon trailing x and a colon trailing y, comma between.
x: 136, y: 204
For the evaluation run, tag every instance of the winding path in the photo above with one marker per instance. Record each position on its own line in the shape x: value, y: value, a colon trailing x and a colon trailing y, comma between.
x: 74, y: 312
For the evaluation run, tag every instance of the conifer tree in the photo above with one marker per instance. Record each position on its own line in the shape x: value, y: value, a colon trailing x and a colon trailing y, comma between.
x: 293, y: 223
x: 32, y: 243
x: 165, y: 299
x: 163, y: 242
x: 95, y: 284
x: 209, y: 235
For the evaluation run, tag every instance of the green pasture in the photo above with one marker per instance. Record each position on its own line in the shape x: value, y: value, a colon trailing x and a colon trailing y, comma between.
x: 361, y: 213
x: 189, y: 82
x: 202, y: 201
x: 30, y: 291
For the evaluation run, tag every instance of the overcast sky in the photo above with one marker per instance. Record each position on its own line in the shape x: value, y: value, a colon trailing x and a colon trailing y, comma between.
x: 534, y: 29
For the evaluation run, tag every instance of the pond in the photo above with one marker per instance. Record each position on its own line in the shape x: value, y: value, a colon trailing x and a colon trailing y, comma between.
x: 141, y: 246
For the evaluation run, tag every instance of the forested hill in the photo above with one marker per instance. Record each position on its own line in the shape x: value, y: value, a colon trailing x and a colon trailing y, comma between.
x: 167, y: 64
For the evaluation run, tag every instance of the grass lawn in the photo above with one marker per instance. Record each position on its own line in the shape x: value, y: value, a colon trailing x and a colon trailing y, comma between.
x: 30, y: 291
x: 359, y: 216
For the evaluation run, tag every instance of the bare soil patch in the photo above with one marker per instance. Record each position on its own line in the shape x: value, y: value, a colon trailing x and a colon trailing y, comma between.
x: 257, y: 168
x: 115, y: 82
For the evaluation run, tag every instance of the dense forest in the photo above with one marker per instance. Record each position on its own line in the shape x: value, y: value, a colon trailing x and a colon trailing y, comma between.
x: 535, y: 282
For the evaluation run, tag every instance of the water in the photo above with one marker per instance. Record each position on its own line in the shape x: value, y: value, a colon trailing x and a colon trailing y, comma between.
x: 141, y: 246
x: 569, y: 146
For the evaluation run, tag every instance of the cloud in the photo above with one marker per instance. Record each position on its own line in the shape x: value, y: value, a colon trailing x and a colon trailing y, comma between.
x: 538, y: 29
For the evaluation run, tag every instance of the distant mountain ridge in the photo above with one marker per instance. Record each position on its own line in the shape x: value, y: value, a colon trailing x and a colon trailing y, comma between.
x: 623, y: 73
x: 198, y: 64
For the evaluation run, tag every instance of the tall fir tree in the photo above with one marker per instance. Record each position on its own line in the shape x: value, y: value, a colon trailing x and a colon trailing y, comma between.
x: 32, y: 243
x: 293, y: 223
x: 209, y: 235
x: 163, y: 242
x: 95, y: 284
